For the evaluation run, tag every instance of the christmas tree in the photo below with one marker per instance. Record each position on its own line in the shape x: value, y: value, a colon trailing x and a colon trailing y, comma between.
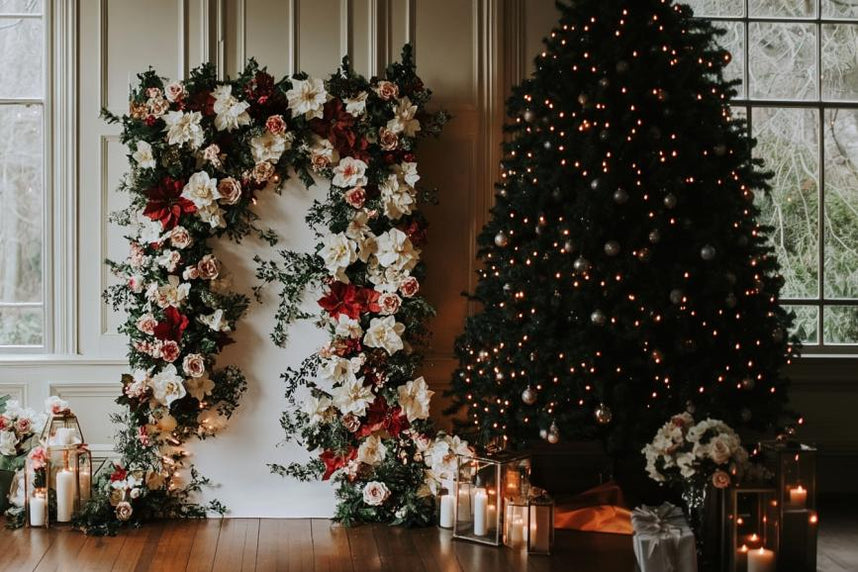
x: 625, y: 275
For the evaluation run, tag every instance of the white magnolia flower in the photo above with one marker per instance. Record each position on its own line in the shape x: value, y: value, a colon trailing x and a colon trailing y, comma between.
x: 173, y: 293
x: 358, y: 226
x: 318, y: 409
x: 396, y: 251
x: 230, y: 112
x: 385, y: 333
x: 167, y: 385
x: 346, y: 327
x: 398, y: 200
x: 201, y: 190
x: 338, y: 252
x: 385, y: 279
x: 199, y: 387
x: 375, y: 493
x: 269, y: 147
x: 350, y: 172
x: 414, y: 399
x: 216, y: 321
x: 307, y: 97
x: 184, y: 128
x: 408, y: 172
x: 212, y: 214
x: 372, y: 451
x: 340, y: 369
x: 403, y: 120
x: 8, y: 442
x: 148, y: 231
x: 143, y: 156
x: 356, y: 106
x: 353, y: 397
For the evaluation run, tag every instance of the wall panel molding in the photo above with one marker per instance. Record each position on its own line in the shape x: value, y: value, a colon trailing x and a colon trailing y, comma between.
x: 16, y: 391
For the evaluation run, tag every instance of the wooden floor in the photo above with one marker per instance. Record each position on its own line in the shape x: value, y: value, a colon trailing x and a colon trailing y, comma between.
x: 296, y: 545
x: 305, y: 545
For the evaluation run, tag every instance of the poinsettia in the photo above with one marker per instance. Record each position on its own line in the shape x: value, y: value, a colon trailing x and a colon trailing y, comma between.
x: 380, y: 416
x: 350, y: 300
x: 166, y: 204
x: 338, y: 126
x: 173, y: 326
x: 333, y: 461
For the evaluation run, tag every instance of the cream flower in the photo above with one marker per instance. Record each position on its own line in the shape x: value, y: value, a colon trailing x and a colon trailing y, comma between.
x: 403, y: 120
x: 350, y: 172
x: 230, y: 112
x: 167, y: 385
x: 375, y: 493
x: 322, y: 154
x: 8, y: 443
x: 396, y: 251
x: 269, y: 147
x: 408, y: 172
x: 372, y: 451
x: 356, y: 106
x: 212, y: 214
x: 318, y: 409
x: 201, y: 190
x: 194, y: 365
x: 353, y: 397
x: 216, y: 321
x: 173, y: 293
x: 385, y: 333
x: 184, y: 128
x: 398, y: 200
x: 307, y: 97
x: 143, y: 156
x: 346, y: 327
x: 338, y: 252
x: 199, y: 387
x: 414, y: 399
x: 340, y: 369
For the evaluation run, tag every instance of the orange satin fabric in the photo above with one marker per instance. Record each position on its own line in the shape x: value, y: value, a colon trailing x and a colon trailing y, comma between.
x: 600, y: 509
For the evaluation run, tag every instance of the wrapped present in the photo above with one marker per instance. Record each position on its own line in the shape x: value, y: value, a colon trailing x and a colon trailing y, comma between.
x: 663, y: 541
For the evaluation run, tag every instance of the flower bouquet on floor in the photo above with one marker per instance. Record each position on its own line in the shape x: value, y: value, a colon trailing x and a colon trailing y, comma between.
x: 19, y: 429
x: 692, y: 456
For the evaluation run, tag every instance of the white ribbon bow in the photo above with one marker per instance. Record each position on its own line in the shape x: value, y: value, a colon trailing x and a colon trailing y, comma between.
x: 657, y: 524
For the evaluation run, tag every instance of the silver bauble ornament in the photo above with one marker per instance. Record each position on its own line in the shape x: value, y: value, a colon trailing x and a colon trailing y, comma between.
x: 603, y: 414
x: 501, y: 239
x: 748, y: 383
x: 581, y: 264
x: 707, y: 252
x: 507, y: 287
x: 654, y: 235
x: 543, y: 433
x: 676, y: 296
x: 568, y: 246
x: 547, y: 145
x: 598, y: 317
x: 528, y: 115
x: 612, y: 248
x: 553, y: 433
x: 595, y: 184
x: 670, y: 200
x: 621, y: 197
x: 529, y: 395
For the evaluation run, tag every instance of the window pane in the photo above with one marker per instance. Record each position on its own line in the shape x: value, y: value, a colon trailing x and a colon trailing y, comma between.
x: 20, y: 6
x: 840, y: 62
x: 21, y: 326
x: 21, y: 48
x: 839, y: 9
x: 733, y: 40
x: 841, y: 324
x: 841, y: 203
x: 21, y: 199
x: 783, y: 8
x: 788, y: 140
x: 783, y: 61
x: 806, y: 323
x: 717, y: 7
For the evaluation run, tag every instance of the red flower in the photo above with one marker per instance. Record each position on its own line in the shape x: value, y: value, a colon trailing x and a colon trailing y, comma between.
x: 338, y: 127
x: 202, y: 102
x: 381, y: 416
x: 166, y: 203
x: 173, y: 326
x: 119, y: 474
x: 417, y: 233
x: 350, y: 300
x: 368, y: 300
x: 333, y: 462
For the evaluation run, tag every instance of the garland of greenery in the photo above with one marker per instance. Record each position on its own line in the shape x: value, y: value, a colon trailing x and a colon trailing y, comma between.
x: 357, y: 403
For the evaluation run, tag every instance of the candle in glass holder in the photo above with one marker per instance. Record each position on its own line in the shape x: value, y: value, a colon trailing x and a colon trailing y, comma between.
x: 463, y: 504
x: 481, y: 513
x: 38, y: 509
x: 798, y: 497
x: 65, y: 495
x: 445, y: 519
x: 761, y: 560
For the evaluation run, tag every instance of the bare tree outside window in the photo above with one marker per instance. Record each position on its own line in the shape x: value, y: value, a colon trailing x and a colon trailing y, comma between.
x: 22, y: 159
x: 798, y: 65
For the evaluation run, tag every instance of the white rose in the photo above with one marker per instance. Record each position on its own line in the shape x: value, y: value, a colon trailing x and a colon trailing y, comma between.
x: 194, y: 365
x: 269, y: 147
x: 350, y: 172
x: 307, y: 97
x: 175, y: 92
x: 372, y: 451
x: 230, y: 112
x: 180, y: 237
x: 389, y: 303
x: 201, y: 189
x: 353, y: 397
x: 167, y: 385
x: 338, y: 252
x: 375, y: 493
x: 414, y: 399
x: 143, y: 156
x: 146, y: 324
x: 385, y: 333
x: 184, y: 128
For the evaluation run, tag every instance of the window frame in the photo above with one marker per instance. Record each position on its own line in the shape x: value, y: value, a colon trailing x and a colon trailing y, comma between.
x: 821, y: 106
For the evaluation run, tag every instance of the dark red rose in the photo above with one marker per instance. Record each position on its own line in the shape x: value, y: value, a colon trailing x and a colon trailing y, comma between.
x: 417, y: 233
x: 173, y: 326
x: 166, y: 203
x: 150, y: 120
x: 202, y: 102
x: 334, y: 462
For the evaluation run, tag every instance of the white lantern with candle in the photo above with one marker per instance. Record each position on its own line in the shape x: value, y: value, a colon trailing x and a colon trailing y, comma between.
x: 540, y: 527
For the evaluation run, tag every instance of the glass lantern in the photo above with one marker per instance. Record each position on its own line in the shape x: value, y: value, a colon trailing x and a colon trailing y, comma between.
x: 540, y: 524
x: 484, y: 486
x: 56, y: 482
x: 62, y: 430
x: 794, y: 467
x: 751, y: 529
x: 515, y: 523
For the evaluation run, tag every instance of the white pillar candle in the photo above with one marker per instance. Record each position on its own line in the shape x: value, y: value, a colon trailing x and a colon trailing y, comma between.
x: 65, y: 495
x: 492, y: 515
x: 85, y: 484
x: 463, y: 504
x: 63, y: 436
x: 481, y: 512
x: 798, y: 497
x: 38, y: 506
x: 445, y: 518
x: 761, y: 560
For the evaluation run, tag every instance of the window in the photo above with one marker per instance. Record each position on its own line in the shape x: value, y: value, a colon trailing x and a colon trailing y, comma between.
x: 22, y: 174
x: 797, y: 61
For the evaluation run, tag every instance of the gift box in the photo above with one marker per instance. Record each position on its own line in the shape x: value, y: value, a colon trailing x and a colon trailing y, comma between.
x: 663, y: 541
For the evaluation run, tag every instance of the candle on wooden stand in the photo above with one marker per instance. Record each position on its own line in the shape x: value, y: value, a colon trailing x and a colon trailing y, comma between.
x: 761, y: 560
x: 481, y: 504
x: 798, y: 497
x: 38, y: 509
x: 445, y: 519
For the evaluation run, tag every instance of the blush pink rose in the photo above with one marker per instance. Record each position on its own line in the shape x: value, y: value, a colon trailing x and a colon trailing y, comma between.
x: 175, y: 92
x: 720, y: 479
x: 275, y: 124
x: 387, y: 90
x: 389, y: 303
x: 230, y: 190
x: 387, y: 139
x: 170, y: 351
x: 194, y: 365
x: 356, y: 197
x: 146, y: 324
x: 409, y: 287
x: 263, y: 171
x: 208, y: 267
x: 180, y: 237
